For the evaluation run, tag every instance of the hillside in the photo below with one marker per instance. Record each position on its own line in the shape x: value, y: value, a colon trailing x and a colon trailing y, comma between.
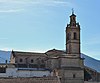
x: 91, y: 62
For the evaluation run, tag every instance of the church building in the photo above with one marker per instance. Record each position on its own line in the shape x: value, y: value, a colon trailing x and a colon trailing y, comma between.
x: 67, y: 65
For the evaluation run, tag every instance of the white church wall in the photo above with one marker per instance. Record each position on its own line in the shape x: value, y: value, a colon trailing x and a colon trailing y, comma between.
x: 26, y: 73
x: 15, y: 72
x: 11, y: 72
x: 3, y: 75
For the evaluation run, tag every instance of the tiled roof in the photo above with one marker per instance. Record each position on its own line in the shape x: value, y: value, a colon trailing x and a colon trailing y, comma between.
x: 16, y: 53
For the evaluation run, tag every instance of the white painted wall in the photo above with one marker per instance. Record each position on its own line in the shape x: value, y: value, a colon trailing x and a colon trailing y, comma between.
x: 11, y: 72
x: 32, y: 73
x: 14, y: 72
x: 3, y: 75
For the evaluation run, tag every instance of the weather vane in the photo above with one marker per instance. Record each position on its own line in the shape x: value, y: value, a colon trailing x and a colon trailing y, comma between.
x: 72, y: 10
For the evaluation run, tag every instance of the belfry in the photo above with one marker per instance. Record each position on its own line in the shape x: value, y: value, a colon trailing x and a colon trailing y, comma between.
x: 73, y: 37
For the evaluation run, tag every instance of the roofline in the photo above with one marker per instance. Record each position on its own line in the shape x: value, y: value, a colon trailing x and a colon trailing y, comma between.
x: 27, y: 52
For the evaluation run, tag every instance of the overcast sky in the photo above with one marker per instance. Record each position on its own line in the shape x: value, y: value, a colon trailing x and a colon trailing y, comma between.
x: 39, y: 25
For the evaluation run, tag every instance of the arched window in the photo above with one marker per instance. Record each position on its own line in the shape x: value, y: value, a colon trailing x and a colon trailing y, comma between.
x: 21, y: 60
x: 73, y: 18
x: 75, y: 35
x: 73, y: 24
x: 15, y: 61
x: 74, y: 76
x: 32, y: 60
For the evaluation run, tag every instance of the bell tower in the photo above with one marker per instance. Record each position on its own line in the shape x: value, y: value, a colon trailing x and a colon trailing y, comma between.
x: 73, y: 37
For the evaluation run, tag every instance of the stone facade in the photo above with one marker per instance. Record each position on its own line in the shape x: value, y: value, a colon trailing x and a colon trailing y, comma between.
x: 28, y: 59
x: 67, y: 65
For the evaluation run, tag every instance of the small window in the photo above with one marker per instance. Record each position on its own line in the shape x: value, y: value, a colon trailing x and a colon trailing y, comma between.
x: 15, y: 61
x: 73, y: 19
x: 32, y: 60
x: 74, y: 76
x: 73, y: 24
x: 75, y: 35
x: 21, y: 60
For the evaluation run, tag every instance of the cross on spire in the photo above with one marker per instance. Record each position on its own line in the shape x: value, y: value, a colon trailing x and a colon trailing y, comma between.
x: 72, y: 10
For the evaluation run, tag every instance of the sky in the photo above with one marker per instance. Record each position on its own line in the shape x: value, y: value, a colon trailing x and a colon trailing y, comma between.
x: 39, y: 25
